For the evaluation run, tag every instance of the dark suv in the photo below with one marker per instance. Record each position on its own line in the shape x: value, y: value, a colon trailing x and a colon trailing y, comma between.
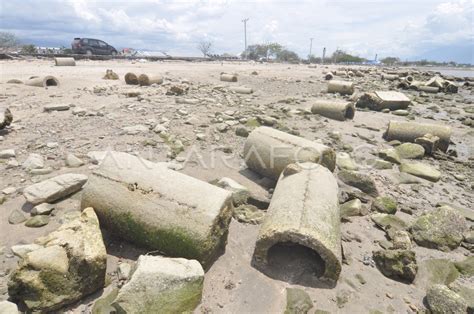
x: 91, y: 46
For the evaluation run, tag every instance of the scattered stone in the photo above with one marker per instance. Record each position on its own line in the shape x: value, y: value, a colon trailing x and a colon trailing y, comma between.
x: 135, y: 129
x: 351, y: 208
x: 7, y: 153
x: 248, y: 214
x: 389, y: 223
x: 440, y: 229
x: 380, y: 164
x: 466, y: 267
x: 34, y: 161
x: 384, y: 204
x: 50, y: 108
x: 429, y: 142
x: 421, y: 170
x: 345, y: 162
x: 242, y: 131
x: 16, y: 217
x: 70, y: 264
x: 410, y: 151
x: 396, y: 264
x: 362, y: 181
x: 436, y: 271
x: 390, y: 155
x: 162, y: 285
x: 42, y: 209
x: 110, y: 75
x: 401, y: 240
x: 54, y: 189
x: 9, y: 190
x: 8, y: 308
x: 441, y: 299
x: 73, y: 162
x: 124, y: 271
x: 37, y: 221
x: 240, y: 193
x: 23, y: 249
x: 297, y: 301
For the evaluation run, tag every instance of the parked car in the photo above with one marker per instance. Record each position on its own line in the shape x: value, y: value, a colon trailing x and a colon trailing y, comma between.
x: 90, y: 46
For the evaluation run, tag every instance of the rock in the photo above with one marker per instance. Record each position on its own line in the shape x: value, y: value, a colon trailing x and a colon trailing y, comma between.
x: 103, y: 305
x: 344, y: 161
x: 465, y: 291
x: 440, y: 229
x: 240, y: 193
x: 410, y: 151
x: 429, y: 142
x: 70, y: 264
x: 9, y: 190
x: 49, y: 108
x: 42, y: 209
x: 7, y: 153
x: 37, y: 221
x: 405, y: 178
x: 135, y: 129
x: 421, y: 170
x: 248, y: 214
x: 73, y: 162
x: 385, y: 204
x: 380, y: 164
x: 389, y: 223
x: 396, y: 264
x: 23, y: 249
x: 441, y: 299
x: 297, y: 301
x: 359, y: 180
x: 242, y: 131
x: 110, y: 75
x: 436, y: 271
x: 124, y: 271
x: 390, y: 155
x: 8, y: 308
x: 34, y: 161
x: 16, y: 217
x: 162, y: 285
x: 466, y: 267
x: 351, y: 208
x: 401, y: 240
x: 55, y: 188
x: 401, y: 112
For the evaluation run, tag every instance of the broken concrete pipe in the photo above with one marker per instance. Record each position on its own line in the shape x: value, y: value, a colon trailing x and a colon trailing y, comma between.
x: 341, y: 87
x: 337, y: 110
x: 145, y: 80
x: 380, y: 100
x: 410, y: 131
x: 241, y: 90
x: 303, y: 216
x: 328, y: 76
x: 131, y: 79
x: 390, y: 77
x: 152, y: 206
x: 6, y: 118
x: 419, y: 86
x: 226, y: 77
x: 268, y: 151
x: 64, y: 62
x: 44, y: 81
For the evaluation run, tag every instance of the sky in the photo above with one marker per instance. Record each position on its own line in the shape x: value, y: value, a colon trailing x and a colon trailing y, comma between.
x: 439, y: 30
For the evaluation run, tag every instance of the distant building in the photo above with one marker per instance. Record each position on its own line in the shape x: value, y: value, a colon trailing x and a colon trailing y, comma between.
x: 49, y: 50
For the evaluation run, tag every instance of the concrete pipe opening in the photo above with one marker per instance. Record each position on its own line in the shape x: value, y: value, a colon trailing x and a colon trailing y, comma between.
x: 295, y: 261
x: 51, y: 82
x: 350, y: 113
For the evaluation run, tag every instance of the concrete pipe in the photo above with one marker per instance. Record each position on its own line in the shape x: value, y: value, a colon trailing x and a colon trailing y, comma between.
x: 328, y: 76
x: 410, y: 131
x: 380, y: 100
x: 131, y: 79
x: 145, y: 80
x: 390, y: 77
x: 268, y: 151
x: 6, y: 118
x: 152, y: 206
x: 65, y: 62
x: 241, y: 90
x: 341, y: 87
x: 225, y: 77
x: 44, y: 81
x: 337, y: 110
x: 303, y: 216
x: 427, y: 89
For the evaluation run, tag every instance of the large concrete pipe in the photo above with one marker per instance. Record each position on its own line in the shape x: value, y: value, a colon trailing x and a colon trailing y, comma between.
x: 410, y: 131
x: 341, y: 87
x: 390, y: 77
x: 303, y: 214
x: 6, y: 118
x: 44, y: 81
x: 155, y: 207
x: 383, y: 100
x: 65, y: 61
x: 225, y: 77
x: 146, y: 80
x: 242, y: 90
x: 268, y: 151
x: 337, y: 110
x: 131, y: 79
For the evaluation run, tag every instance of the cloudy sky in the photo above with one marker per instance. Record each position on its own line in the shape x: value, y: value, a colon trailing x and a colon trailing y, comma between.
x: 411, y: 29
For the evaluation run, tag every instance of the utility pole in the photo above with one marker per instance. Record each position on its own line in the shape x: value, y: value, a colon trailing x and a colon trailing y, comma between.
x: 245, y: 36
x: 324, y: 55
x: 310, y: 48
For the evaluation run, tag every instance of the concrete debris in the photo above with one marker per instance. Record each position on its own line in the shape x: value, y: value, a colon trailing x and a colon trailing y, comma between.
x: 64, y: 62
x: 110, y: 75
x: 131, y: 79
x: 341, y: 87
x: 225, y: 77
x: 381, y: 100
x: 336, y: 110
x: 6, y: 118
x: 44, y: 81
x: 147, y: 80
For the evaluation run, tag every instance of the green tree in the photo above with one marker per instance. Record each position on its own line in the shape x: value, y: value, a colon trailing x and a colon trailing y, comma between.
x: 28, y: 49
x: 340, y: 56
x: 263, y: 51
x: 390, y: 60
x: 286, y: 55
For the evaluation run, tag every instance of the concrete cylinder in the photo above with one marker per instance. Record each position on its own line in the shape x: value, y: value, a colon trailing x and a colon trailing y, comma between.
x: 241, y: 90
x: 145, y: 80
x: 390, y: 77
x: 6, y: 118
x: 44, y: 81
x: 410, y: 131
x: 427, y: 89
x: 337, y: 110
x: 131, y: 78
x: 64, y: 61
x: 328, y: 76
x: 268, y: 151
x: 152, y: 206
x: 304, y: 211
x: 341, y: 87
x: 225, y: 77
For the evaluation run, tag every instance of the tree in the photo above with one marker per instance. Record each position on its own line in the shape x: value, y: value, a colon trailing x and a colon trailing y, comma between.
x: 390, y: 60
x: 205, y: 47
x: 28, y: 49
x: 313, y: 59
x: 8, y: 40
x: 263, y: 51
x: 340, y: 56
x: 286, y: 55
